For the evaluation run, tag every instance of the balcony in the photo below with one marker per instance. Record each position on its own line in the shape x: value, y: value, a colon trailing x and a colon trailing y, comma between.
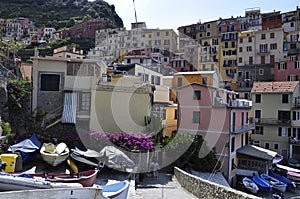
x: 272, y: 121
x: 263, y: 51
x: 294, y: 141
x: 243, y: 128
x: 296, y: 104
x: 239, y: 104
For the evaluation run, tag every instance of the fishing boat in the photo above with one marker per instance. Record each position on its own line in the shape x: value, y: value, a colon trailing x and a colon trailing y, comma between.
x: 280, y: 186
x: 290, y: 184
x: 117, y: 190
x: 250, y: 185
x: 85, y: 178
x: 12, y: 182
x: 62, y: 193
x: 54, y: 154
x: 294, y: 163
x: 293, y: 176
x: 289, y: 172
x: 26, y: 148
x: 262, y: 184
x: 278, y: 159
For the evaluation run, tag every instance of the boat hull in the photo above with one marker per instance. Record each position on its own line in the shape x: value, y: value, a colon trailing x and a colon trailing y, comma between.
x: 49, y: 154
x: 250, y: 185
x: 276, y: 184
x: 85, y: 178
x: 118, y: 190
x: 262, y: 184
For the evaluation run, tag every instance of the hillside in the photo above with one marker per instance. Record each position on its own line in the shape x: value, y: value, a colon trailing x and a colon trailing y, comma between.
x: 58, y: 13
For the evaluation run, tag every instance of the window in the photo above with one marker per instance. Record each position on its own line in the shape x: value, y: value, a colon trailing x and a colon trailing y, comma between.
x: 158, y: 34
x: 256, y: 143
x: 259, y: 130
x: 276, y: 146
x: 284, y: 132
x: 204, y: 80
x: 261, y: 71
x: 292, y: 78
x: 196, y: 117
x: 240, y: 59
x: 257, y: 98
x: 240, y: 49
x: 208, y: 34
x: 272, y: 35
x: 297, y: 64
x: 296, y: 115
x: 249, y: 39
x: 164, y: 114
x: 285, y: 98
x: 272, y: 59
x: 263, y: 36
x: 262, y: 59
x: 232, y: 164
x: 50, y: 82
x: 282, y: 66
x: 84, y: 101
x: 179, y: 81
x: 197, y: 95
x: 249, y: 48
x: 257, y: 114
x: 273, y: 46
x: 241, y: 40
x: 250, y: 60
x: 232, y: 144
x: 263, y: 48
x: 175, y: 114
x: 267, y: 145
x: 208, y: 25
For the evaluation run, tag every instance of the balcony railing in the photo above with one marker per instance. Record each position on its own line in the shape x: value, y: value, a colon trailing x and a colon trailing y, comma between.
x: 272, y: 121
x: 238, y: 104
x: 243, y: 128
x: 262, y: 51
x: 294, y: 141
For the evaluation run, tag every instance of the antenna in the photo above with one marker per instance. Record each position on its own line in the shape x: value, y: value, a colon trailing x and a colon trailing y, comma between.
x: 135, y: 12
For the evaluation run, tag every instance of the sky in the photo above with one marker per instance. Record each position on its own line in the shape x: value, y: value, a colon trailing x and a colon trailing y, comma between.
x: 171, y: 14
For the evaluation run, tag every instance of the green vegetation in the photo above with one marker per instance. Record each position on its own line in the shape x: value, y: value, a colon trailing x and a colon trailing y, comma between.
x: 58, y: 13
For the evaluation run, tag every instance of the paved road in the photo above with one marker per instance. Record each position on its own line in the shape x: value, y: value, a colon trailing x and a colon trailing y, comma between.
x: 164, y: 187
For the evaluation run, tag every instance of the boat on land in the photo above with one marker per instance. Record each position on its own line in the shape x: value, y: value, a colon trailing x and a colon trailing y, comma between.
x: 294, y: 163
x: 290, y: 184
x: 289, y: 172
x: 250, y: 185
x: 280, y: 186
x: 13, y: 182
x: 63, y: 193
x: 54, y: 154
x: 117, y: 190
x: 85, y: 178
x: 262, y: 184
x: 26, y: 148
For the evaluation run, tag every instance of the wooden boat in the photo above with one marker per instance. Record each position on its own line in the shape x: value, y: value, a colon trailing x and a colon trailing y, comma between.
x: 85, y: 178
x: 280, y: 186
x: 118, y: 190
x: 11, y: 182
x: 26, y: 148
x: 62, y: 193
x: 250, y: 185
x: 290, y: 184
x: 262, y: 184
x: 54, y: 154
x: 294, y: 163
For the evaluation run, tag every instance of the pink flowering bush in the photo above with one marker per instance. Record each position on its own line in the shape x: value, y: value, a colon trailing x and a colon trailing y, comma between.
x: 128, y: 141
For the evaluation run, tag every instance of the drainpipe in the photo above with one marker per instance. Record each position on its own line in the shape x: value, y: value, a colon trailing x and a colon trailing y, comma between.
x: 229, y: 145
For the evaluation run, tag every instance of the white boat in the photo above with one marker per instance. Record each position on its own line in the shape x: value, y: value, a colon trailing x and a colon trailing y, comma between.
x: 63, y: 193
x: 116, y: 190
x: 54, y: 154
x: 250, y: 185
x: 13, y: 182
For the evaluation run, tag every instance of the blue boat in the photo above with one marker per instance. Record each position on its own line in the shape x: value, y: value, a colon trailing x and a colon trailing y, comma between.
x: 26, y: 147
x: 276, y: 184
x: 290, y: 184
x: 118, y: 190
x: 262, y: 184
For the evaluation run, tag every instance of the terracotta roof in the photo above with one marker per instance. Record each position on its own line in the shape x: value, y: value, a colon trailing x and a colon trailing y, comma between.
x: 274, y: 87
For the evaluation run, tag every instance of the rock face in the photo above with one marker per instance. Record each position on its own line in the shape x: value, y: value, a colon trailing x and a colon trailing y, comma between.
x: 3, y: 97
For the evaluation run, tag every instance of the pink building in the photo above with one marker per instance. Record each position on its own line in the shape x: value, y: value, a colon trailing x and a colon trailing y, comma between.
x: 288, y: 70
x: 221, y: 120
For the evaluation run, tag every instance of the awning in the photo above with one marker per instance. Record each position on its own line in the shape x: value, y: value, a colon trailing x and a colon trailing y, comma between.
x: 69, y: 112
x: 257, y: 152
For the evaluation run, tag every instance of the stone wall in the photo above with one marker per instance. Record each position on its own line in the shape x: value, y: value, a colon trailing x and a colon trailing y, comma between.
x: 205, y: 189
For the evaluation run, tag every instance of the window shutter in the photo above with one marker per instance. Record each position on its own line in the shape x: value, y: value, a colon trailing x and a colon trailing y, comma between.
x: 279, y: 131
x: 294, y: 115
